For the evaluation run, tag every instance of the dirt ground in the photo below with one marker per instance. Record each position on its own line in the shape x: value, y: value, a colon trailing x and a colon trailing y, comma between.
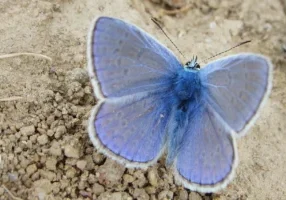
x: 45, y: 152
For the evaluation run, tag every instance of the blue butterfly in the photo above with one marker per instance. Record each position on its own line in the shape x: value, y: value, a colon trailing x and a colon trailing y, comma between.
x: 148, y: 102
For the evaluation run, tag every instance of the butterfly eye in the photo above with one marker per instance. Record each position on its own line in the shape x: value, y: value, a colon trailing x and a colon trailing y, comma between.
x: 192, y: 64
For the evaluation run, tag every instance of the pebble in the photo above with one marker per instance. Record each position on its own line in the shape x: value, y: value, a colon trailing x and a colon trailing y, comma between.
x: 51, y: 163
x: 61, y: 130
x: 71, y: 172
x: 128, y: 178
x: 98, y: 158
x: 50, y: 133
x: 43, y: 185
x: 43, y: 139
x: 176, y: 3
x: 97, y: 189
x: 13, y: 176
x: 115, y: 196
x: 71, y: 151
x: 78, y: 74
x: 58, y: 97
x: 110, y: 172
x: 165, y: 194
x: 194, y: 196
x: 152, y: 177
x: 140, y: 194
x: 89, y: 162
x: 2, y: 191
x: 50, y: 119
x: 140, y: 179
x: 55, y: 149
x: 28, y: 130
x: 183, y: 195
x: 150, y: 190
x: 31, y: 169
x: 81, y: 164
x: 48, y: 175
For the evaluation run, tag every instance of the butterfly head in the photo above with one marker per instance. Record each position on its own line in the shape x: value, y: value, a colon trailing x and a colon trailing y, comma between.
x: 192, y: 65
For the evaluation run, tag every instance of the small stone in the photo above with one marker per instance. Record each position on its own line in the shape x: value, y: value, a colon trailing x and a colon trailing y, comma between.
x: 140, y: 179
x: 50, y: 133
x: 91, y: 179
x: 165, y: 194
x: 56, y: 187
x: 89, y: 162
x: 58, y: 97
x: 110, y: 172
x: 183, y: 195
x: 152, y: 177
x: 176, y: 3
x: 97, y: 158
x: 140, y: 194
x: 78, y: 74
x: 81, y: 164
x: 61, y: 130
x: 55, y: 149
x: 51, y: 163
x: 78, y: 58
x: 115, y: 196
x: 43, y: 186
x: 71, y: 151
x: 43, y: 139
x: 50, y: 119
x: 48, y: 175
x: 71, y: 172
x: 42, y: 131
x: 2, y: 191
x: 31, y: 169
x: 97, y: 189
x: 283, y: 46
x: 13, y: 176
x: 194, y: 196
x: 128, y: 178
x: 151, y: 190
x: 28, y: 130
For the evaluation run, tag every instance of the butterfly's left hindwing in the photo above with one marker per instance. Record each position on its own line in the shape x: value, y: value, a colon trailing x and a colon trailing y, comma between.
x: 207, y: 156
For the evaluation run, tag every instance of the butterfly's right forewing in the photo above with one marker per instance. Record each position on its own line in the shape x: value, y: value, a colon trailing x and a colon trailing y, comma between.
x: 125, y: 60
x: 130, y: 72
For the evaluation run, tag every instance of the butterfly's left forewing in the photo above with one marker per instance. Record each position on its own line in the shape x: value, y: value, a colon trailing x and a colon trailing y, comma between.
x: 236, y: 87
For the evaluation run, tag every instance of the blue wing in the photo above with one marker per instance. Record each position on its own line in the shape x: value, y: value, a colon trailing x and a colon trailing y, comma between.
x: 207, y: 157
x: 132, y: 131
x: 126, y: 60
x: 129, y: 71
x: 236, y: 87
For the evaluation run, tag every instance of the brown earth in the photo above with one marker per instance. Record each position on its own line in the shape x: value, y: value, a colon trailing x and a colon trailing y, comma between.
x: 45, y: 152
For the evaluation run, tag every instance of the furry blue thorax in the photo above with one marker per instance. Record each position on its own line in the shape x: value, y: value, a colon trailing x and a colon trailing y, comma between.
x: 185, y: 99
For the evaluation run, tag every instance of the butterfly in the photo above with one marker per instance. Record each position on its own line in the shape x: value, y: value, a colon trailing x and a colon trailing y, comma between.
x: 149, y: 103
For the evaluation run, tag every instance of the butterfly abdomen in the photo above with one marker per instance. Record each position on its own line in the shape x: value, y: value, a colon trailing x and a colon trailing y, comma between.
x: 187, y: 95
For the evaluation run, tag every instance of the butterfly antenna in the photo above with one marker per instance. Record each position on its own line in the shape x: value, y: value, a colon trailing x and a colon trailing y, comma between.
x: 157, y: 23
x: 242, y: 43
